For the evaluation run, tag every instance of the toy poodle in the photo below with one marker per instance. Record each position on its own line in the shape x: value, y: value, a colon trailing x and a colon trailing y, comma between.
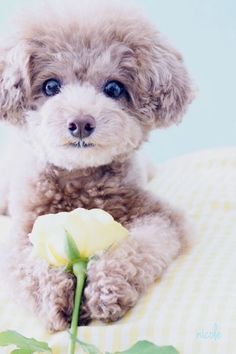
x: 84, y: 83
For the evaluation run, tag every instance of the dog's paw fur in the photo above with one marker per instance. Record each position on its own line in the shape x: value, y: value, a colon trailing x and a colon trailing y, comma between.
x: 58, y: 301
x: 109, y: 294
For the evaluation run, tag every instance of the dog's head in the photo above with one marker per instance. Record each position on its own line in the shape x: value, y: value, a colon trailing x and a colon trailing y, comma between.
x: 87, y: 84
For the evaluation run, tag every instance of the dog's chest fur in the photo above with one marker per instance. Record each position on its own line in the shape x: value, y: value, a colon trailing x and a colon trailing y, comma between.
x: 107, y: 187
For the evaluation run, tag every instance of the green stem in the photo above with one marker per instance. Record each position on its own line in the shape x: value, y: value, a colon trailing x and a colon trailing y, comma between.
x: 79, y: 270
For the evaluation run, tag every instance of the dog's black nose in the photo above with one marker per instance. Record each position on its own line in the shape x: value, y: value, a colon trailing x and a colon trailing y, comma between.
x: 82, y: 127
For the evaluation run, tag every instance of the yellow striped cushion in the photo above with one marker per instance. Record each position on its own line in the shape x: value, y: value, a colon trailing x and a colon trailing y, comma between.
x: 193, y: 307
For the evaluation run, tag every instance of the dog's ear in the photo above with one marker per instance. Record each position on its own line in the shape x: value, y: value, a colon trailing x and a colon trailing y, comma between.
x: 14, y: 83
x: 167, y: 82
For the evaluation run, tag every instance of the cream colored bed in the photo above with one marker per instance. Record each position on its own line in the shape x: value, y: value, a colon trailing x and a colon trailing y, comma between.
x: 193, y: 307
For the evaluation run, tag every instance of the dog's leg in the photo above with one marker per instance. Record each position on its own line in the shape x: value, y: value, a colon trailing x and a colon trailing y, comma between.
x: 4, y: 190
x: 48, y: 291
x: 5, y: 175
x: 9, y: 163
x: 116, y: 281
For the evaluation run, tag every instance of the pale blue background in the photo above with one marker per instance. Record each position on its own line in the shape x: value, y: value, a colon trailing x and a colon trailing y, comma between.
x: 205, y: 32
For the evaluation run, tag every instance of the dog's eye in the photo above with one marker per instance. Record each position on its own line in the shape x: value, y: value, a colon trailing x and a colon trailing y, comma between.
x: 51, y: 87
x: 114, y: 89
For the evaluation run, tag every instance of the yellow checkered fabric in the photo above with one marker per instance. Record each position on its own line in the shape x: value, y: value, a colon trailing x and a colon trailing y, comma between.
x: 193, y: 306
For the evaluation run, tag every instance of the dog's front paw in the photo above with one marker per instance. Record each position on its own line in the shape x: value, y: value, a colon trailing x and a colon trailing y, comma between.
x: 109, y: 294
x: 58, y: 301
